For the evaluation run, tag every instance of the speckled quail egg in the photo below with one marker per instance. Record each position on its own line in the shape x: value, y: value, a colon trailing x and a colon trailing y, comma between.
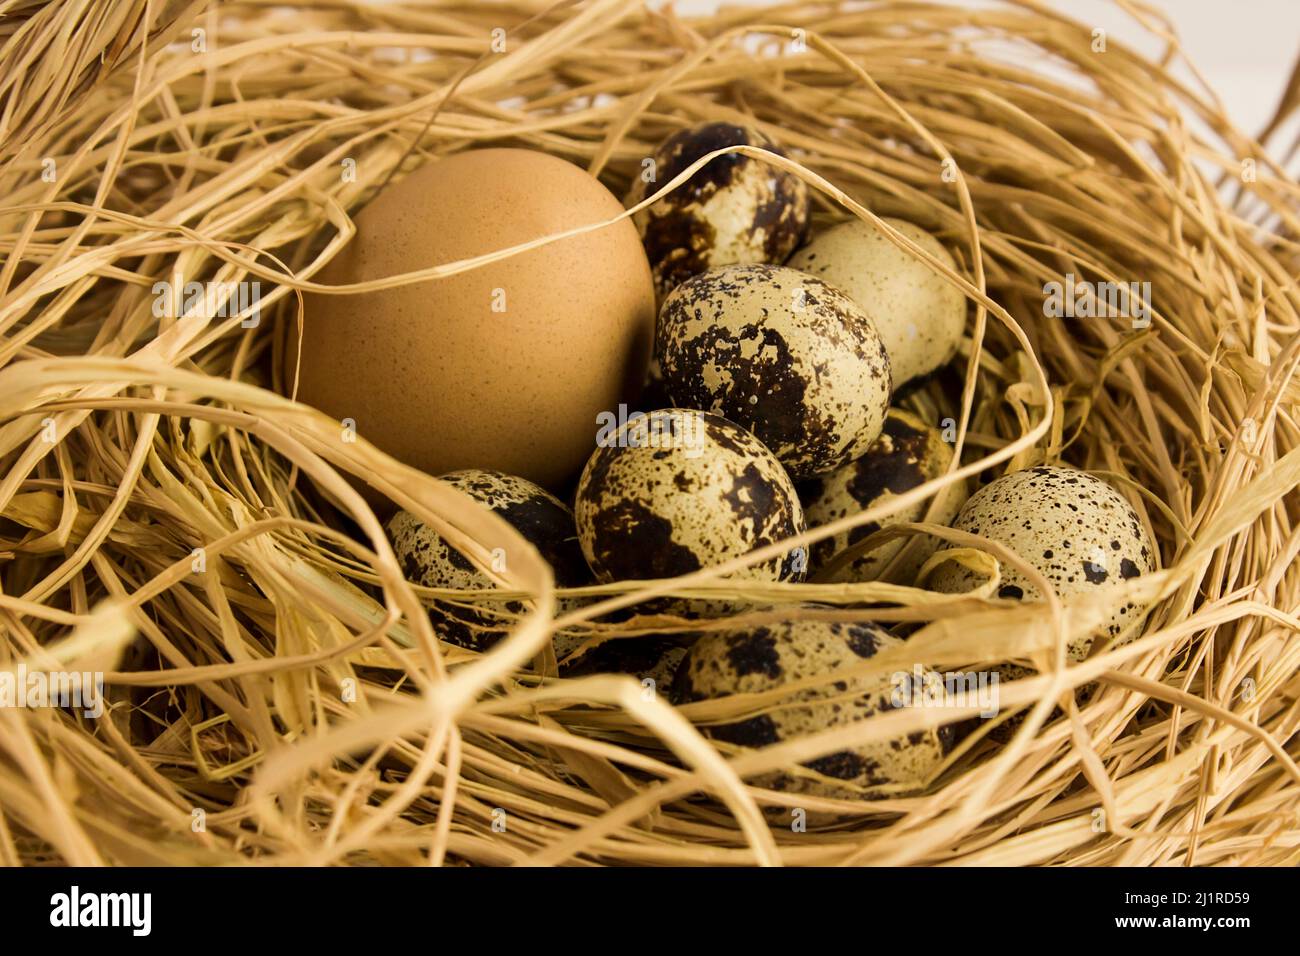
x: 736, y: 209
x: 782, y: 353
x: 678, y: 490
x: 653, y: 657
x: 1077, y: 530
x: 919, y: 316
x: 428, y: 560
x: 908, y: 453
x: 764, y: 658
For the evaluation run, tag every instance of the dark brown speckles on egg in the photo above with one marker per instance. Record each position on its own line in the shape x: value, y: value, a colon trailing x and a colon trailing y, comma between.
x: 654, y: 657
x: 1077, y: 530
x: 908, y: 453
x: 760, y: 731
x: 736, y: 209
x: 781, y: 353
x: 426, y: 559
x: 680, y: 490
x: 860, y: 640
x: 720, y: 664
x: 1095, y: 573
x: 754, y: 652
x: 656, y: 555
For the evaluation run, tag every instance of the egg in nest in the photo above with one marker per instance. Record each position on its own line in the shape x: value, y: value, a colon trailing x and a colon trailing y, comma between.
x: 735, y: 209
x: 474, y: 370
x: 919, y: 315
x: 1075, y: 529
x: 648, y: 657
x: 678, y: 490
x: 907, y: 454
x: 720, y: 664
x: 428, y: 560
x: 782, y: 353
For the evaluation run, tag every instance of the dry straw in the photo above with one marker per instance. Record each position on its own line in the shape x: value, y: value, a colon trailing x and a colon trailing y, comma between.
x: 276, y: 693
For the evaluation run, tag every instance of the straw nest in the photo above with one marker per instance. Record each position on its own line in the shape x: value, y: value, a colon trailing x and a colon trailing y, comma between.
x: 275, y: 692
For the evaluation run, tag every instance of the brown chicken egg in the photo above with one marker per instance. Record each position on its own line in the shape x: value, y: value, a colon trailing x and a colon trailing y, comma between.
x: 505, y: 366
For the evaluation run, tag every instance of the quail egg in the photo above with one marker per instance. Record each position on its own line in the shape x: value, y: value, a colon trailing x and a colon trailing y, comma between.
x: 1078, y: 531
x: 764, y: 658
x: 735, y: 209
x: 908, y: 453
x: 428, y: 560
x: 919, y: 316
x: 652, y: 657
x: 678, y: 490
x: 781, y: 353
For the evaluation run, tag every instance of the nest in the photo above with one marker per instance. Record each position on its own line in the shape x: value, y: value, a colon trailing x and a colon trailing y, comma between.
x: 274, y: 690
